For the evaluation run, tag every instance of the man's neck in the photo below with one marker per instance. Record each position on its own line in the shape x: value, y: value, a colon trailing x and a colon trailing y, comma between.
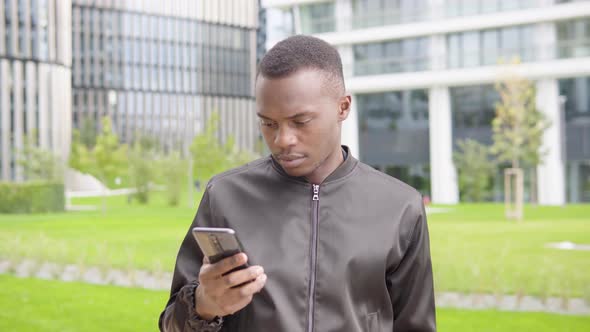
x: 334, y: 160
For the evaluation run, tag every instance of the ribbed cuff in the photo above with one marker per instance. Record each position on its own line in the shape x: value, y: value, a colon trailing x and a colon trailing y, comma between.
x: 194, y: 322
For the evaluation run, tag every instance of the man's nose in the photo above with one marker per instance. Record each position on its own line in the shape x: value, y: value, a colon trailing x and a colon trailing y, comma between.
x: 285, y: 138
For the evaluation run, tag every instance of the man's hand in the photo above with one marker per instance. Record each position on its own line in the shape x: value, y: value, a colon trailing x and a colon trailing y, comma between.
x: 215, y: 295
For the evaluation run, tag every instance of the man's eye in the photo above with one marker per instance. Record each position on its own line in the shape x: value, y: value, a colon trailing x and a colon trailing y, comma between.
x: 266, y: 123
x: 301, y: 123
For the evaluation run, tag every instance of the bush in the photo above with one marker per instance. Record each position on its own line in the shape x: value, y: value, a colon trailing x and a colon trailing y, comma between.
x: 142, y: 167
x: 172, y: 168
x: 475, y: 168
x: 31, y: 197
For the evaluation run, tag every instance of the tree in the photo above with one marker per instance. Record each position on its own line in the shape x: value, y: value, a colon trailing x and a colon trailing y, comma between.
x: 38, y: 163
x: 81, y: 158
x: 518, y: 130
x: 209, y: 155
x: 88, y: 133
x: 172, y: 167
x: 110, y: 157
x: 142, y: 158
x: 476, y: 169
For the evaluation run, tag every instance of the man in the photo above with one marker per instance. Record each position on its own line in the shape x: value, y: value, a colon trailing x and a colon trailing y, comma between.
x: 332, y: 244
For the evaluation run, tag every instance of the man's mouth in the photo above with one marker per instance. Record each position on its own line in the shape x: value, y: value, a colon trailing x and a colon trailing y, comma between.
x: 290, y: 161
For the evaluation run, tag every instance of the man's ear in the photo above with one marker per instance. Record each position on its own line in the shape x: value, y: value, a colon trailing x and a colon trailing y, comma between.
x: 345, y: 105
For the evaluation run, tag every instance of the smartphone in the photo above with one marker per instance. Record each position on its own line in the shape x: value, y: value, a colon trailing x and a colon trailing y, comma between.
x: 218, y: 243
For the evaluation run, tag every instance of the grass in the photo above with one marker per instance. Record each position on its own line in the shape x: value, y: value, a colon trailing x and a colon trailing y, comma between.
x: 473, y: 248
x: 128, y: 237
x: 40, y: 305
x: 28, y: 305
x: 499, y: 321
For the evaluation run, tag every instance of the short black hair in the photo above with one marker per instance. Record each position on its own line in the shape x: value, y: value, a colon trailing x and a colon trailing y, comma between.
x: 303, y: 52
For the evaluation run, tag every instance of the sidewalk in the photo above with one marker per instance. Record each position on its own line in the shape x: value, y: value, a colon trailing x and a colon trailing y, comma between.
x: 161, y: 281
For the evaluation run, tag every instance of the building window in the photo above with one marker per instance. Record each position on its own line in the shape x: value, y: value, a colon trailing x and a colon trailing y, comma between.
x: 473, y: 106
x: 280, y: 23
x: 578, y: 181
x: 8, y: 27
x: 394, y: 135
x: 391, y: 57
x: 577, y: 97
x: 573, y: 38
x: 34, y: 24
x: 488, y: 47
x: 475, y: 7
x: 317, y: 17
x: 576, y: 92
x: 368, y: 13
x: 43, y: 31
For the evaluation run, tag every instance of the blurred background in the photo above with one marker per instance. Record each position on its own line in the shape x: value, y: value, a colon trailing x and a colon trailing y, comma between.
x: 115, y: 113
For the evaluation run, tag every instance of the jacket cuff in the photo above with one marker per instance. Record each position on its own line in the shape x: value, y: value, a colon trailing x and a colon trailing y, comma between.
x: 194, y: 322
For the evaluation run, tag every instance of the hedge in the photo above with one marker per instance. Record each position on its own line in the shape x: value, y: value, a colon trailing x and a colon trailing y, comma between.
x: 31, y: 197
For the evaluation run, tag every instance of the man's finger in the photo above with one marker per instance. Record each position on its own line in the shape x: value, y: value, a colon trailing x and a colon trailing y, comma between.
x: 242, y: 296
x: 242, y: 276
x: 228, y: 264
x: 251, y: 288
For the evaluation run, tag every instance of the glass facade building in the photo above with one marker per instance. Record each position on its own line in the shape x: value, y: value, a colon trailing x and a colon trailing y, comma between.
x: 35, y: 70
x: 422, y: 77
x: 161, y: 70
x: 156, y: 68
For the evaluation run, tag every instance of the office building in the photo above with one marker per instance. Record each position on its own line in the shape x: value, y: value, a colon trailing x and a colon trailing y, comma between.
x: 422, y: 75
x: 35, y: 71
x: 161, y: 68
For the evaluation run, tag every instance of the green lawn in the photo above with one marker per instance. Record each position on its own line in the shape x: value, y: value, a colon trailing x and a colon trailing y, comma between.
x: 129, y: 236
x: 473, y: 248
x: 451, y: 320
x: 39, y: 305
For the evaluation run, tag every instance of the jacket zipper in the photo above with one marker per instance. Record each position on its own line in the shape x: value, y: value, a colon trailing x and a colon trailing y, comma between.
x: 315, y: 204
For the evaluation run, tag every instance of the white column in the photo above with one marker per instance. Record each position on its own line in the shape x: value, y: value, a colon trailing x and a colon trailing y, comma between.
x: 436, y: 8
x: 443, y: 176
x: 350, y: 131
x: 2, y: 40
x: 60, y: 114
x: 349, y: 136
x: 551, y: 173
x: 297, y: 20
x: 5, y: 83
x: 17, y: 78
x: 545, y: 43
x: 64, y: 104
x: 31, y: 78
x: 44, y: 123
x: 63, y: 26
x: 347, y: 56
x: 343, y: 15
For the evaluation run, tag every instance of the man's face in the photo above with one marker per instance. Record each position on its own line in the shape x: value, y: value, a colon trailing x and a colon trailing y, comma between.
x: 300, y: 119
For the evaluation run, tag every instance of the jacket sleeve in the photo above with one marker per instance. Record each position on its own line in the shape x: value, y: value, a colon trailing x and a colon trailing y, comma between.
x: 180, y: 314
x: 410, y: 284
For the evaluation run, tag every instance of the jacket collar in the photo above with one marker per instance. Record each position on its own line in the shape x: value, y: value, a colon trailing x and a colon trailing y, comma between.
x: 341, y: 171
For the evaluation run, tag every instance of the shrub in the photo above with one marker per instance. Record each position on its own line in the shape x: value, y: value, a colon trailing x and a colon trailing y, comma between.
x: 31, y: 197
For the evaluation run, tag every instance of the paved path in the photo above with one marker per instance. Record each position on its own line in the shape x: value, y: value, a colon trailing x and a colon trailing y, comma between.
x: 161, y: 281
